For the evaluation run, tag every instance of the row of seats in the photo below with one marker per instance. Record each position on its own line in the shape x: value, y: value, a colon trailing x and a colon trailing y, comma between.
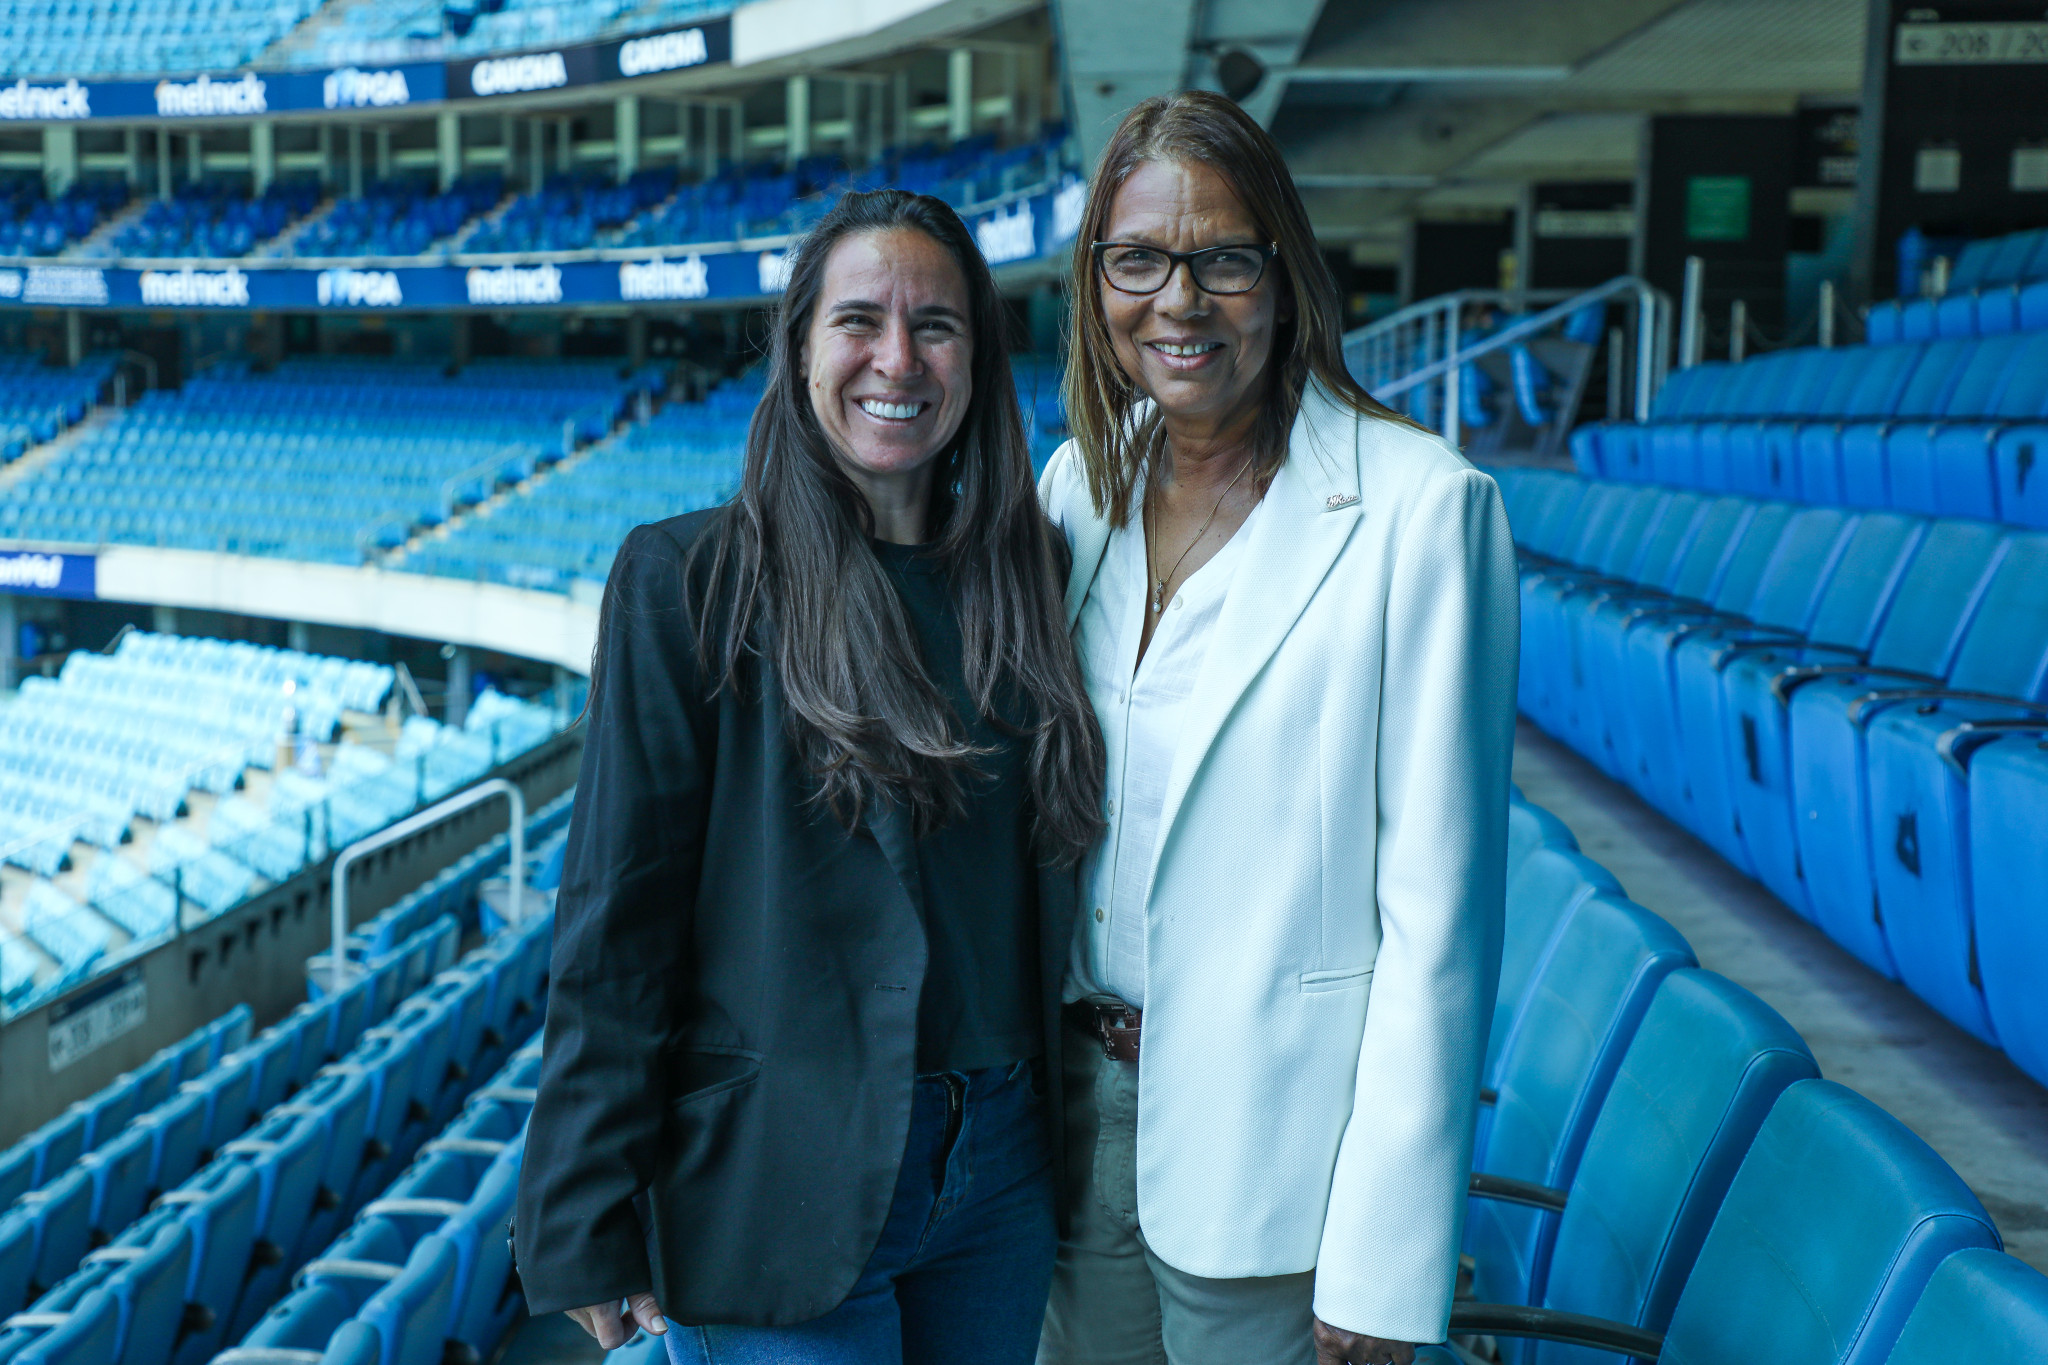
x: 343, y: 1093
x: 401, y: 218
x: 213, y: 220
x: 1950, y: 427
x: 566, y: 528
x: 315, y: 460
x: 34, y: 225
x: 45, y: 38
x: 408, y: 30
x: 32, y: 1162
x: 38, y: 401
x: 1846, y: 705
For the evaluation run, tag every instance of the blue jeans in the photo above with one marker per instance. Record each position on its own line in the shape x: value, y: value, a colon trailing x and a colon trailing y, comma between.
x: 964, y: 1263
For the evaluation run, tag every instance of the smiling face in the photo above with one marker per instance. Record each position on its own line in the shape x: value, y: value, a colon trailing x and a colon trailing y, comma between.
x: 888, y: 358
x: 1201, y: 357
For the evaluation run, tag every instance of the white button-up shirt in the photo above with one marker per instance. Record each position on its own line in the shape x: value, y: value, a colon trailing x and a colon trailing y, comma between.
x: 1140, y: 706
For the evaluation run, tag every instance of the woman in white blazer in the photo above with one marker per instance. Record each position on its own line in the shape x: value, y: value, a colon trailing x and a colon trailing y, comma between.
x: 1297, y: 617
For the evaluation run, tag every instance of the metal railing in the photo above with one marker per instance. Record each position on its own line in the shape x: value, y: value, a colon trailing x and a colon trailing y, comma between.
x: 332, y: 970
x: 1422, y: 345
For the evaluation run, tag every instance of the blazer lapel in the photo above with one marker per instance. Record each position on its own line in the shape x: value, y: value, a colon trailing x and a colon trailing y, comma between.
x: 891, y: 827
x: 1296, y: 535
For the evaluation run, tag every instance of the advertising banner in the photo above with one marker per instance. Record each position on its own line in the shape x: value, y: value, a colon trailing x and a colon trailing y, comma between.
x: 36, y: 574
x: 252, y: 94
x: 1024, y: 229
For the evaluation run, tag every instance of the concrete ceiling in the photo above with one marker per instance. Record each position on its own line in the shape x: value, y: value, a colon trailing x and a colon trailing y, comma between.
x: 1393, y: 108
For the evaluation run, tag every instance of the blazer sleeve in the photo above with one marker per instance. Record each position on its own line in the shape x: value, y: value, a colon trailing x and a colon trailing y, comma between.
x: 622, y: 926
x: 1389, y: 1252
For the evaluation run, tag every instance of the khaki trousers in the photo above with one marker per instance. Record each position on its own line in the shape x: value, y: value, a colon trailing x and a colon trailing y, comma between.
x: 1116, y: 1303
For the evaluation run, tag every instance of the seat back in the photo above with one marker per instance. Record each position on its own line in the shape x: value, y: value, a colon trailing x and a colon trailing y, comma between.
x: 487, y: 1295
x: 109, y: 1111
x: 1532, y: 827
x: 1542, y: 892
x: 1979, y: 1306
x: 287, y: 1152
x: 1752, y: 551
x: 2008, y: 868
x: 229, y: 1033
x: 2025, y: 390
x: 1799, y: 566
x: 150, y: 1290
x: 17, y: 1172
x: 2006, y: 648
x: 57, y: 1144
x: 1882, y: 378
x: 218, y: 1207
x: 1695, y: 1085
x: 271, y: 1067
x: 1720, y: 529
x: 1875, y: 558
x: 1666, y: 543
x: 1832, y: 1228
x: 412, y: 1313
x: 1633, y: 523
x: 154, y: 1081
x: 1584, y: 1002
x: 87, y: 1337
x: 1928, y: 615
x: 120, y: 1181
x: 17, y: 1260
x: 1926, y: 394
x: 62, y: 1213
x: 225, y: 1092
x: 177, y: 1134
x: 305, y: 1319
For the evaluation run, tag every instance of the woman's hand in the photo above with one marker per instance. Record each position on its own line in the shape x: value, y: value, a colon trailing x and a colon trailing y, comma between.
x: 614, y: 1329
x: 1335, y: 1346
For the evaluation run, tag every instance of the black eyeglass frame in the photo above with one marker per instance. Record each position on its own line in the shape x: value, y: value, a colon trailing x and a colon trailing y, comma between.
x: 1268, y: 251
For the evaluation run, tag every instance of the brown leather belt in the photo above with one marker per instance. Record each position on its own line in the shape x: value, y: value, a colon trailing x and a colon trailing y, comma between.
x: 1116, y: 1027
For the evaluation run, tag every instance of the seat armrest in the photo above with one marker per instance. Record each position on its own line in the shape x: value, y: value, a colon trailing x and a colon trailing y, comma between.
x: 1551, y: 1324
x: 1721, y: 658
x: 1792, y: 679
x: 1511, y: 1191
x: 1951, y: 744
x: 1864, y: 706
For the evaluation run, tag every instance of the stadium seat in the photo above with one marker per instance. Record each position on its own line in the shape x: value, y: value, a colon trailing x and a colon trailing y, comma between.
x: 17, y: 1259
x: 119, y: 1172
x: 177, y: 1135
x: 1543, y: 891
x: 1583, y: 1005
x: 85, y: 1335
x: 218, y: 1207
x: 1694, y: 1086
x: 2008, y: 808
x: 62, y: 1214
x: 1833, y: 1227
x: 1884, y: 825
x: 147, y: 1284
x: 288, y: 1154
x: 340, y: 1103
x: 57, y: 1144
x: 1923, y: 626
x: 1980, y: 1306
x: 108, y: 1112
x: 17, y: 1172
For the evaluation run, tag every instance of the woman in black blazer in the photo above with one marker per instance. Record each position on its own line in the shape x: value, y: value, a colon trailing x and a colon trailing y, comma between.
x: 819, y: 886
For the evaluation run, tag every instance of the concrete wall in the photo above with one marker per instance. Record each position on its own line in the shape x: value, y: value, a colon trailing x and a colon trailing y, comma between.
x: 255, y: 953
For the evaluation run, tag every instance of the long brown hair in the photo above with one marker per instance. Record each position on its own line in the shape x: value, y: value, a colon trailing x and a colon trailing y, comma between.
x: 799, y: 588
x: 1199, y: 127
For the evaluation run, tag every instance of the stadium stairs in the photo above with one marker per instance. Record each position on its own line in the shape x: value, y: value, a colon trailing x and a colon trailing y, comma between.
x: 337, y: 1187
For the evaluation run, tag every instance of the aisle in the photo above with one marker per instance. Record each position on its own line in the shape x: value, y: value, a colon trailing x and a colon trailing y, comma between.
x: 1985, y: 1116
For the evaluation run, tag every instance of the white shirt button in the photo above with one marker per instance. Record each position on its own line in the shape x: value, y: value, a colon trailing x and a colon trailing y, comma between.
x: 1176, y: 604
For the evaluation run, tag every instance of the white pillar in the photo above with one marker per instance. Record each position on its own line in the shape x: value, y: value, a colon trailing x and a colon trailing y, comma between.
x: 355, y: 162
x: 163, y: 620
x: 131, y: 153
x: 263, y: 153
x: 537, y: 153
x: 626, y: 134
x: 900, y: 106
x: 565, y: 146
x: 60, y: 157
x: 959, y: 93
x: 195, y: 158
x: 383, y: 153
x: 163, y: 164
x: 74, y: 336
x: 326, y: 155
x: 296, y: 636
x: 448, y: 142
x: 796, y: 119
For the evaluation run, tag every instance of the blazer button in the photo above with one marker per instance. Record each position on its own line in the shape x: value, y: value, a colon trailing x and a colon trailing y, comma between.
x: 1099, y: 915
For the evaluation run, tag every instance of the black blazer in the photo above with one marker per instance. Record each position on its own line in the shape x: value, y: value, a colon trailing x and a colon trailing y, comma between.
x: 732, y: 1010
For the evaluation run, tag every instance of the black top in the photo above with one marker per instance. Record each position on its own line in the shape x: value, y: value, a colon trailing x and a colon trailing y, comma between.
x: 980, y: 1002
x: 732, y: 1011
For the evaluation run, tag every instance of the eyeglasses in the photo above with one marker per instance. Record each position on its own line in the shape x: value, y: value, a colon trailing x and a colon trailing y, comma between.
x: 1132, y: 268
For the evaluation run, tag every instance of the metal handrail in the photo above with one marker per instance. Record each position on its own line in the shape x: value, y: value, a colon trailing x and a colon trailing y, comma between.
x: 336, y: 971
x: 1441, y: 318
x: 495, y: 461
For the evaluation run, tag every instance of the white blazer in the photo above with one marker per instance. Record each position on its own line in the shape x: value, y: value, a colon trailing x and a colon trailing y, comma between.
x: 1323, y: 932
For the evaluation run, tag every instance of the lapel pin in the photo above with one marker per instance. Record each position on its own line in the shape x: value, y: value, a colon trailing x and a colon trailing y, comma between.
x: 1337, y: 500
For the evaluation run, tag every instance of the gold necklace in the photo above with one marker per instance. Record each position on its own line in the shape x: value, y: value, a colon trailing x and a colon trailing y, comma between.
x: 1159, y: 581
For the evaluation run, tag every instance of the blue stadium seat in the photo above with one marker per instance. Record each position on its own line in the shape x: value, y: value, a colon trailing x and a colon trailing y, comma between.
x: 340, y: 1103
x: 1583, y: 1005
x: 2017, y: 454
x: 1878, y: 394
x: 147, y: 1283
x: 2008, y: 867
x: 57, y: 1144
x: 1831, y: 1231
x: 17, y: 1259
x: 154, y: 1081
x: 1695, y: 1085
x: 1922, y: 628
x: 307, y: 1324
x: 108, y: 1111
x: 86, y: 1335
x: 405, y: 1294
x: 1921, y: 471
x: 62, y: 1214
x: 1863, y: 858
x: 17, y: 1172
x: 1858, y: 576
x: 218, y: 1207
x: 224, y: 1090
x: 1979, y: 1306
x: 119, y: 1172
x: 288, y: 1154
x: 466, y: 1198
x: 177, y: 1136
x: 1543, y: 890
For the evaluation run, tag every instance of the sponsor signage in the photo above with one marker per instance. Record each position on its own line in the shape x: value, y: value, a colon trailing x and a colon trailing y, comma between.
x: 45, y: 103
x: 97, y: 1016
x: 37, y: 574
x: 1023, y: 230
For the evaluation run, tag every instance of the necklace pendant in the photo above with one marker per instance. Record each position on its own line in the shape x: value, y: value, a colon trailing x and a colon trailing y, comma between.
x: 1158, y: 598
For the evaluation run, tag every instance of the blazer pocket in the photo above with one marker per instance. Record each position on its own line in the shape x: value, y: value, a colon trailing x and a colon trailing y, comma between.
x: 700, y: 1073
x: 1340, y: 979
